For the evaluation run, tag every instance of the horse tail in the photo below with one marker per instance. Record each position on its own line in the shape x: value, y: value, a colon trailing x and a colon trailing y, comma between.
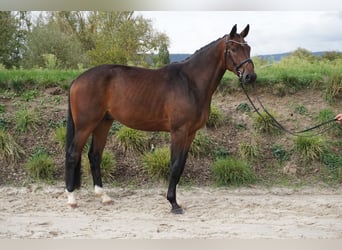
x: 75, y: 170
x: 70, y: 130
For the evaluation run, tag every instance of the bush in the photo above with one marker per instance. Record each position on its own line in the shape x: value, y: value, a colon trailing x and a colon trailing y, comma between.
x: 10, y: 151
x: 41, y: 166
x: 231, y: 171
x: 310, y: 147
x: 157, y: 163
x: 131, y: 139
x: 216, y: 117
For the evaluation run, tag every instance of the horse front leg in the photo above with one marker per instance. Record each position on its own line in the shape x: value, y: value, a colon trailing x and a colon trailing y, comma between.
x: 180, y: 145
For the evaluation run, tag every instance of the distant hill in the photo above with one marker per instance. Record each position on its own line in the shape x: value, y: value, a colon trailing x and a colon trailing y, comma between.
x: 271, y: 57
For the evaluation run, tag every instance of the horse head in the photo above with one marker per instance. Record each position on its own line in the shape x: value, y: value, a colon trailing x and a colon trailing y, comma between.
x: 237, y: 55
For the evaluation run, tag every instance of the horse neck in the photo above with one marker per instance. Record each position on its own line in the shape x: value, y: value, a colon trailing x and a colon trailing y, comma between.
x: 207, y: 68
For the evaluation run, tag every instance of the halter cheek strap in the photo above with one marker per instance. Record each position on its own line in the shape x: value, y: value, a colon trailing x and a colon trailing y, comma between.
x: 227, y: 53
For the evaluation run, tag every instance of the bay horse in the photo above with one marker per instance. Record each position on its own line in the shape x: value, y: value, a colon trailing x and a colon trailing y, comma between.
x: 175, y: 98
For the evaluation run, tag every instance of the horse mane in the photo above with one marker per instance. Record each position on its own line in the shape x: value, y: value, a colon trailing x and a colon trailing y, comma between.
x: 201, y: 49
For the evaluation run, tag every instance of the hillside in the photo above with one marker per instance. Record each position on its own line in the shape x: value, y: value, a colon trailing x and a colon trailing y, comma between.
x: 50, y: 104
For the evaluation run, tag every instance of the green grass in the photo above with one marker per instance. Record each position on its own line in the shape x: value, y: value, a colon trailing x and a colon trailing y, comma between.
x: 40, y: 166
x: 131, y: 140
x: 25, y: 120
x: 232, y: 171
x: 10, y: 150
x: 157, y: 163
x: 19, y: 79
x: 310, y: 147
x: 216, y: 117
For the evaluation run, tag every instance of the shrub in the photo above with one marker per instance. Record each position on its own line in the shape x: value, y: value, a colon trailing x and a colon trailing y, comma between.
x: 310, y: 147
x: 26, y: 119
x: 249, y: 151
x: 41, y: 166
x: 131, y: 139
x: 10, y: 151
x: 157, y: 163
x: 201, y: 145
x: 264, y: 123
x: 216, y: 117
x: 231, y: 171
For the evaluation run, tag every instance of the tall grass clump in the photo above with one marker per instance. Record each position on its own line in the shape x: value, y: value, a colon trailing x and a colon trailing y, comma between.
x: 216, y: 117
x: 310, y: 147
x: 231, y: 171
x: 264, y: 123
x: 333, y: 87
x: 10, y: 151
x: 249, y: 151
x: 60, y: 136
x: 157, y: 163
x: 201, y: 145
x: 40, y: 166
x: 131, y: 140
x: 26, y: 119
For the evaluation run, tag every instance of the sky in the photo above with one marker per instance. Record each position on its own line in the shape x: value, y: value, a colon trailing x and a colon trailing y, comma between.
x: 270, y: 32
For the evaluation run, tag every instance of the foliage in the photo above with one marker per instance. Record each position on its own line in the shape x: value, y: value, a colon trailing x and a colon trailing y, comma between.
x: 157, y: 163
x: 231, y: 171
x: 310, y: 147
x: 10, y: 150
x: 264, y: 123
x: 216, y: 117
x: 26, y: 119
x: 243, y: 107
x: 333, y: 89
x: 131, y: 139
x: 124, y: 38
x: 249, y: 151
x: 201, y: 145
x: 41, y: 166
x: 333, y: 163
x: 14, y: 27
x: 280, y: 153
x: 301, y: 109
x: 60, y: 136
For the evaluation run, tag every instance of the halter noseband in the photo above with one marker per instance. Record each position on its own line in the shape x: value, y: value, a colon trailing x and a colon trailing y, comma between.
x: 227, y: 53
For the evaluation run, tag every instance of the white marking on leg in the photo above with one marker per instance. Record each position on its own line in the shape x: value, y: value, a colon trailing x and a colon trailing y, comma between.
x: 71, y: 199
x: 105, y: 198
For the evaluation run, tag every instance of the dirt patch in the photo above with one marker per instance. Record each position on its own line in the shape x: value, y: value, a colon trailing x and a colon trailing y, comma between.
x: 210, y: 213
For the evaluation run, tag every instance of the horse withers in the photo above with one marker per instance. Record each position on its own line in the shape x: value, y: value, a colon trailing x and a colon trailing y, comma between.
x: 175, y: 98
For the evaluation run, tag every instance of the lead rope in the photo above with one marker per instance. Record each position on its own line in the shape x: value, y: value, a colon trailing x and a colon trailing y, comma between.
x: 281, y: 127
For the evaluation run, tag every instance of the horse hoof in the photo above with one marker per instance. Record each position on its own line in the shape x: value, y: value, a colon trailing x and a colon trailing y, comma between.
x: 177, y: 210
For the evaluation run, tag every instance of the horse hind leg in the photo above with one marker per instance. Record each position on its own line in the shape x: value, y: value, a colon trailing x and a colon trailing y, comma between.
x: 73, y: 166
x: 95, y: 156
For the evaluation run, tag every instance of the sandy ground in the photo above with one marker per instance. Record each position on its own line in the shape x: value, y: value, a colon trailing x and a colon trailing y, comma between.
x: 144, y: 213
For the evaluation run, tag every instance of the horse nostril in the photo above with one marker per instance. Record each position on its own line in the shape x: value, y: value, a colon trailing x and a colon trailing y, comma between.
x: 250, y: 78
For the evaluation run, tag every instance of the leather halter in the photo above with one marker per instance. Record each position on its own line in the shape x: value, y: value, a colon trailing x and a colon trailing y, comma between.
x: 227, y: 53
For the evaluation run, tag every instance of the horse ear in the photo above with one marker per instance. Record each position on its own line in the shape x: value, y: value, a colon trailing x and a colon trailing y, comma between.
x: 244, y: 33
x: 233, y: 31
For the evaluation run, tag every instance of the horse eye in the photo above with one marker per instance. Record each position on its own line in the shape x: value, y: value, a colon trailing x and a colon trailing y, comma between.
x: 233, y: 50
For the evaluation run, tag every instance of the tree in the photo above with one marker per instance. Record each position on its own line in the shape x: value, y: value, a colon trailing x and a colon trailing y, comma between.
x: 49, y: 38
x: 14, y: 27
x: 124, y: 38
x: 163, y: 56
